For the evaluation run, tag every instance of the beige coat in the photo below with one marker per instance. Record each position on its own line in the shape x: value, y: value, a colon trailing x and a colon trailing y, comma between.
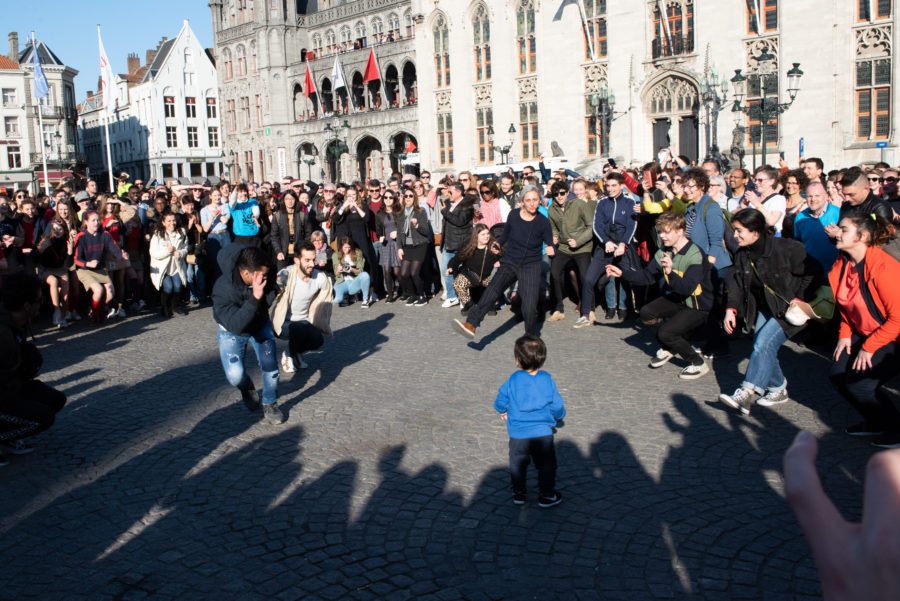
x: 319, y: 308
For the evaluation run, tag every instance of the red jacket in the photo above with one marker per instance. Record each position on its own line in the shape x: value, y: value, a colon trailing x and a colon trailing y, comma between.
x: 882, y: 274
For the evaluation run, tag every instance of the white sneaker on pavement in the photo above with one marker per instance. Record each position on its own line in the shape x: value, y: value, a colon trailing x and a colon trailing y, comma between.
x: 450, y: 302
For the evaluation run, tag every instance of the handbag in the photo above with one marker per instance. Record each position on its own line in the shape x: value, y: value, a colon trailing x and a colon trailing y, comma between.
x: 821, y: 308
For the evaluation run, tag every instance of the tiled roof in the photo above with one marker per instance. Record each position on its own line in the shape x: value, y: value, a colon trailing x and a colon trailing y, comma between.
x: 47, y: 55
x: 6, y: 64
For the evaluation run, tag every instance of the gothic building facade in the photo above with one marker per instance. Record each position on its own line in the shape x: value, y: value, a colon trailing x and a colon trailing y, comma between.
x: 504, y: 81
x: 316, y: 89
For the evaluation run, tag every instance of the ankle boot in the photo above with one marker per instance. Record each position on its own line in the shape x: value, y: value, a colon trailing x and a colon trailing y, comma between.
x: 165, y: 301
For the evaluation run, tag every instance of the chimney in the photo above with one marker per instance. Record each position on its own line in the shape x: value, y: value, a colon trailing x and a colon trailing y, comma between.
x: 90, y: 94
x: 14, y: 47
x: 134, y: 63
x: 151, y: 54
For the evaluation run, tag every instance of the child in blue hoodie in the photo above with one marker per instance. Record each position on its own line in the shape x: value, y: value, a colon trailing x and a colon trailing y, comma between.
x: 530, y: 405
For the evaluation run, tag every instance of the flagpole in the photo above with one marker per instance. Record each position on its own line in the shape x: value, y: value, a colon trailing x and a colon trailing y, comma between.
x: 112, y: 190
x: 664, y: 16
x: 41, y: 126
x: 587, y: 29
x: 107, y: 103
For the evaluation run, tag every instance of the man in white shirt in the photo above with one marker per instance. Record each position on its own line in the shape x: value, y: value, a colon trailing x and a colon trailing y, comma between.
x: 766, y: 200
x: 304, y: 286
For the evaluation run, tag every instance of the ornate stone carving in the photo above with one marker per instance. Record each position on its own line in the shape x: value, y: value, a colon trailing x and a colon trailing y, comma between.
x: 442, y: 102
x: 594, y: 77
x: 873, y: 42
x: 753, y: 48
x: 527, y: 88
x: 672, y: 96
x: 484, y: 95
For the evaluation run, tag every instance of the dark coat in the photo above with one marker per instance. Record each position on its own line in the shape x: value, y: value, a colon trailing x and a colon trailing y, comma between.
x: 234, y: 307
x: 457, y: 226
x: 280, y: 236
x: 351, y: 224
x: 786, y: 268
x: 419, y: 232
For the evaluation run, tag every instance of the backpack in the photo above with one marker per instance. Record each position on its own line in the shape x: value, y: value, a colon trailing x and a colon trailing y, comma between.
x: 728, y: 240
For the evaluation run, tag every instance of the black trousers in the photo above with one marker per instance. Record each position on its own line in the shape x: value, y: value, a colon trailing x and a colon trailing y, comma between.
x: 673, y: 321
x: 558, y: 265
x: 302, y: 336
x: 539, y: 450
x: 863, y: 389
x: 30, y: 411
x: 529, y: 278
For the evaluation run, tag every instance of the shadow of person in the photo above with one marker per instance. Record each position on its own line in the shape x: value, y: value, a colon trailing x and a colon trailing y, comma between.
x: 496, y: 333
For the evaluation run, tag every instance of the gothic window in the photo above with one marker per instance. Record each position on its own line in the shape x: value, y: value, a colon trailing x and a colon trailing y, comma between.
x: 484, y: 120
x: 377, y: 27
x: 595, y: 45
x: 317, y: 45
x: 241, y: 61
x: 481, y: 28
x: 394, y: 25
x: 674, y: 35
x: 769, y: 20
x: 253, y: 61
x: 361, y: 33
x: 873, y: 99
x: 346, y: 35
x: 227, y: 68
x: 330, y: 39
x: 445, y: 139
x: 528, y: 120
x: 525, y: 40
x: 871, y: 10
x: 442, y: 53
x: 407, y: 17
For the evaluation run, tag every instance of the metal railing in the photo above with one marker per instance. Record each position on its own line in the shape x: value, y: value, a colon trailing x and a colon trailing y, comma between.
x: 675, y: 45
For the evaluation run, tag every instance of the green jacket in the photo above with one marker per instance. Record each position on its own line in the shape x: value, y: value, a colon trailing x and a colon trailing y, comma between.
x: 575, y: 222
x: 359, y: 264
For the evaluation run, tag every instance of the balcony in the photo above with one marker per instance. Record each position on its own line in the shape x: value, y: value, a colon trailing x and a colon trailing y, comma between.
x: 679, y: 46
x: 53, y: 159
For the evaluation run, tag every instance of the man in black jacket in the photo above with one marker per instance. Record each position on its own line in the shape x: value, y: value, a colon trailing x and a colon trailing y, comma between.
x: 241, y: 299
x: 458, y: 215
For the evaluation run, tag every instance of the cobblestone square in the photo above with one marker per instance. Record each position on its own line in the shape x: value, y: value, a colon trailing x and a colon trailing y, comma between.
x: 389, y: 479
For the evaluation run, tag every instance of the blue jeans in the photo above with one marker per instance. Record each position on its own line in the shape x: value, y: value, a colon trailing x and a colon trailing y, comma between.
x: 170, y: 284
x: 215, y: 243
x: 764, y: 373
x: 446, y: 255
x: 231, y: 351
x: 610, y: 291
x: 346, y: 287
x: 196, y: 280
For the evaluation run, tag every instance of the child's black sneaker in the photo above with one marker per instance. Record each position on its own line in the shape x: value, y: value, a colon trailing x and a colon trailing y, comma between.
x: 519, y: 498
x: 556, y: 499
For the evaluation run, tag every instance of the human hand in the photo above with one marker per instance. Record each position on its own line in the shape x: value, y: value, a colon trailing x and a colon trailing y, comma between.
x: 638, y: 208
x: 449, y: 271
x: 551, y: 252
x: 620, y: 250
x: 280, y: 256
x: 609, y: 247
x: 666, y: 262
x: 394, y: 235
x: 503, y: 417
x: 863, y: 361
x: 613, y: 271
x: 171, y: 249
x: 730, y: 320
x: 555, y: 239
x: 92, y: 264
x: 856, y: 561
x: 400, y: 254
x: 414, y: 221
x: 258, y: 284
x: 572, y: 243
x: 26, y: 251
x: 177, y: 254
x: 843, y: 344
x: 495, y: 248
x: 712, y: 259
x: 832, y: 231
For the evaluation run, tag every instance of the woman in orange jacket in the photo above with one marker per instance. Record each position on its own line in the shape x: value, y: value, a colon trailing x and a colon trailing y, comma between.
x: 866, y: 285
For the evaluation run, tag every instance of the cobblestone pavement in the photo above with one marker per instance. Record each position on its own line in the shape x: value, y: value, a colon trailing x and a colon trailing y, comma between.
x: 389, y: 479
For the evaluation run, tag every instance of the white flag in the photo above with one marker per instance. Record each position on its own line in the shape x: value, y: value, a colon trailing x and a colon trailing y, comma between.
x: 337, y: 75
x: 107, y: 79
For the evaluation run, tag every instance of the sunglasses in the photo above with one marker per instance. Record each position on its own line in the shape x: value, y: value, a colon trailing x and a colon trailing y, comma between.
x: 409, y: 196
x: 874, y: 179
x: 426, y: 176
x: 487, y: 192
x: 888, y: 180
x: 562, y: 193
x: 760, y: 179
x: 329, y: 191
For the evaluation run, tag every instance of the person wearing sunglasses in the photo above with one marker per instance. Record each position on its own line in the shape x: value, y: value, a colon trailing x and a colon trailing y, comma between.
x: 571, y: 222
x: 889, y: 188
x: 491, y: 212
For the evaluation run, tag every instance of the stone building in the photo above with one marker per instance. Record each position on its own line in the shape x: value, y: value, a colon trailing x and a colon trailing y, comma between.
x: 589, y: 79
x: 279, y: 122
x: 22, y: 136
x: 166, y: 123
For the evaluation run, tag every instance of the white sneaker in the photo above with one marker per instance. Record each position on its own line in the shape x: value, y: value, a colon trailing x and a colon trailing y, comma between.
x: 692, y: 372
x: 287, y: 364
x: 662, y: 357
x: 112, y: 313
x: 121, y: 312
x: 450, y: 302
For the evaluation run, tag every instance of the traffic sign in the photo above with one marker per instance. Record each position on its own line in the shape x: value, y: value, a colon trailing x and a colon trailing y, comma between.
x: 881, y: 145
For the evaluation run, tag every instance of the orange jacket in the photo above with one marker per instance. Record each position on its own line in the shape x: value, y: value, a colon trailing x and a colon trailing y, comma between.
x: 882, y: 275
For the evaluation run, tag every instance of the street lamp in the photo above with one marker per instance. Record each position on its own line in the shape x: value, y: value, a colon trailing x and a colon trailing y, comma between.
x: 231, y: 165
x: 310, y: 160
x: 714, y: 93
x: 604, y: 103
x: 764, y: 109
x: 338, y: 133
x: 503, y: 150
x: 402, y: 155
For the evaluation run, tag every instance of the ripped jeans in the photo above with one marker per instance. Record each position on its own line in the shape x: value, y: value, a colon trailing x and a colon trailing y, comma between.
x: 231, y: 351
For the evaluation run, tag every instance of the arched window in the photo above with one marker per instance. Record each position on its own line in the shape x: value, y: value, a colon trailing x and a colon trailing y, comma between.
x: 407, y: 18
x: 254, y: 67
x: 595, y: 46
x: 361, y: 32
x: 441, y: 53
x: 377, y: 30
x: 346, y: 35
x: 330, y: 39
x: 227, y: 64
x: 317, y: 45
x: 241, y: 53
x: 527, y: 45
x: 394, y: 25
x: 481, y: 28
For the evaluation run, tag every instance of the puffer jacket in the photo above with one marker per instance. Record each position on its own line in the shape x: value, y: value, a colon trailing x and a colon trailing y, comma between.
x: 234, y: 307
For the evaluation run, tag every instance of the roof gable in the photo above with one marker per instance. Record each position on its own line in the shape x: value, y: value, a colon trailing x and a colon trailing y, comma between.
x: 46, y: 55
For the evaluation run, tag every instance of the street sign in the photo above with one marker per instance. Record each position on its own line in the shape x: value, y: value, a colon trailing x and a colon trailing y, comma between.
x: 881, y: 145
x: 268, y: 131
x: 802, y: 140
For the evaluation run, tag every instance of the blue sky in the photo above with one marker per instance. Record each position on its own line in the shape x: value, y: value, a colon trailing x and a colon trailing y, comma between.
x: 70, y: 30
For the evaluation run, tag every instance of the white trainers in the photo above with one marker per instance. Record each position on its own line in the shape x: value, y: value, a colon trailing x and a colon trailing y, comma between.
x: 774, y: 397
x: 582, y: 322
x: 287, y: 364
x: 662, y: 357
x: 112, y: 313
x: 450, y: 302
x: 692, y: 372
x: 742, y: 399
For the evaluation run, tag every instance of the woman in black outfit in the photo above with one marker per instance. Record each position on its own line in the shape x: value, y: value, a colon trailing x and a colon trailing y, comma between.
x: 386, y: 232
x: 473, y: 266
x: 290, y: 226
x: 352, y: 220
x: 412, y: 236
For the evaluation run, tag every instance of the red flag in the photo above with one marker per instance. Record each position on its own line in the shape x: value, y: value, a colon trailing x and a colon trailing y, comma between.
x: 308, y: 83
x: 410, y: 147
x: 371, y: 73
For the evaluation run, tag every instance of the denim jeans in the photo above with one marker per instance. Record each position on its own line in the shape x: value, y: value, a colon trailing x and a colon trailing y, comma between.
x: 196, y: 280
x: 610, y: 291
x: 764, y: 373
x: 347, y: 287
x: 231, y: 351
x: 215, y: 243
x: 446, y: 255
x: 170, y: 284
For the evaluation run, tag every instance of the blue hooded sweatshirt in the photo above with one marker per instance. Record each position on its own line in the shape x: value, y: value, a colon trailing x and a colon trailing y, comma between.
x: 532, y: 404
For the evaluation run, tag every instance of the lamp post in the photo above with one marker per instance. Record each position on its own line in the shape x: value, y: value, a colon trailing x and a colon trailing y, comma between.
x: 503, y: 150
x: 764, y: 110
x: 714, y: 93
x: 402, y: 155
x: 231, y: 165
x: 58, y: 137
x: 604, y: 103
x: 310, y: 160
x: 337, y: 133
